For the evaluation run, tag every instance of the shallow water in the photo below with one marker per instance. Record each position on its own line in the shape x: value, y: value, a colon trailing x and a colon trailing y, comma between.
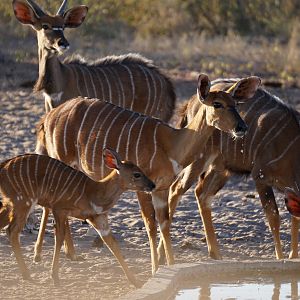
x: 264, y: 288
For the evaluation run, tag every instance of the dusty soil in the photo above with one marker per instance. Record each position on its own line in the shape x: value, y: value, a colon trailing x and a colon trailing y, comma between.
x: 238, y: 217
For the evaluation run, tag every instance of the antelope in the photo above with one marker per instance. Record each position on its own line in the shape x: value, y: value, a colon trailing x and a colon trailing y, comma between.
x: 31, y: 179
x: 129, y: 81
x: 77, y: 131
x: 269, y: 152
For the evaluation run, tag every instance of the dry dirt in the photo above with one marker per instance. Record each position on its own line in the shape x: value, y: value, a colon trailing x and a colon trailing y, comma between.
x: 238, y: 217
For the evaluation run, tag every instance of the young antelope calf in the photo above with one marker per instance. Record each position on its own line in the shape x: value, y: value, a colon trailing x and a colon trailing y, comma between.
x: 32, y: 179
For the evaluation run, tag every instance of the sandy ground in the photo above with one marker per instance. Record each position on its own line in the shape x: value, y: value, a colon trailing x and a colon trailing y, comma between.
x: 238, y: 217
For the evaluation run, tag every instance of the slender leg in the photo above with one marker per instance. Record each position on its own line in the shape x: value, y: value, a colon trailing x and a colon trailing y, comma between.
x: 160, y: 203
x: 100, y: 223
x: 294, y: 238
x: 60, y: 229
x: 16, y: 225
x: 39, y: 242
x: 269, y: 205
x: 205, y: 189
x: 148, y: 214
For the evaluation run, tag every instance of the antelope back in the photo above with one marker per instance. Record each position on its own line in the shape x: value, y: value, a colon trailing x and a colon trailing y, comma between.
x: 77, y: 132
x: 36, y: 178
x: 271, y: 145
x: 129, y: 81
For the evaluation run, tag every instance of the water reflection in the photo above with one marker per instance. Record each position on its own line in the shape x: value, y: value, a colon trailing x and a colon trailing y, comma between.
x: 246, y: 289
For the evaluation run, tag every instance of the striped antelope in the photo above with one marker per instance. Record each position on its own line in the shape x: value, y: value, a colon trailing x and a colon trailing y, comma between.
x: 32, y: 179
x: 129, y: 81
x: 269, y: 152
x: 77, y: 131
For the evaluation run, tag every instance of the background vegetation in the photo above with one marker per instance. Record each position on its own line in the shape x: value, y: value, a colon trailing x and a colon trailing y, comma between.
x: 260, y: 36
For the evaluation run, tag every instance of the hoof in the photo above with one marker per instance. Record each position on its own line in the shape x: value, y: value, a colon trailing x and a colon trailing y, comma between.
x: 75, y: 257
x: 37, y: 258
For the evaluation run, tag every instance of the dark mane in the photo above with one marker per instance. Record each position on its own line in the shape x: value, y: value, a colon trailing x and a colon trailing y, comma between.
x: 131, y: 58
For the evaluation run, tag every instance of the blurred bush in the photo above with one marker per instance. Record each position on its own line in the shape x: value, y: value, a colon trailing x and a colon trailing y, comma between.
x: 108, y: 18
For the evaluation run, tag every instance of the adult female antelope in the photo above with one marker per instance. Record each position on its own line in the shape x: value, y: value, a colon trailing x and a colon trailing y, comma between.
x: 77, y: 131
x: 269, y: 152
x: 32, y: 179
x: 129, y: 81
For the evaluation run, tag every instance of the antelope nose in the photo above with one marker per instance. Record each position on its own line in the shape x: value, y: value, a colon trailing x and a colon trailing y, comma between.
x: 63, y: 44
x: 241, y: 129
x: 152, y: 186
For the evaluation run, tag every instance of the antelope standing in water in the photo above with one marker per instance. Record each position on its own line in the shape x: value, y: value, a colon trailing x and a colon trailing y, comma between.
x: 129, y: 81
x: 270, y: 152
x: 77, y: 131
x: 32, y: 179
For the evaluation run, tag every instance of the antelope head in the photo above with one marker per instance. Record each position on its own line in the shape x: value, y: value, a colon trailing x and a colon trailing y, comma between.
x: 221, y: 105
x: 132, y: 177
x: 49, y: 28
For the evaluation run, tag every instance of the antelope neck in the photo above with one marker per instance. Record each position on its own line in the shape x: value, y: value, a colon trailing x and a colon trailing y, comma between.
x: 189, y: 141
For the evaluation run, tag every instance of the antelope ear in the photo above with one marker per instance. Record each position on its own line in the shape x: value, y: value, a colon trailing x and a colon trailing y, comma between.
x: 292, y: 202
x: 203, y: 87
x: 245, y: 88
x: 24, y: 13
x: 75, y: 16
x: 111, y: 158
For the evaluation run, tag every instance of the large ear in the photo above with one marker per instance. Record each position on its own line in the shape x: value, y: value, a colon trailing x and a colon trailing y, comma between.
x: 75, y: 16
x: 245, y: 88
x: 203, y: 87
x: 292, y: 202
x: 26, y: 13
x: 111, y: 158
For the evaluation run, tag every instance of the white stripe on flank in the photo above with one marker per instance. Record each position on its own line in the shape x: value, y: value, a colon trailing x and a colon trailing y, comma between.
x: 81, y: 69
x: 148, y: 89
x: 158, y: 105
x: 77, y: 187
x: 98, y: 136
x: 59, y: 180
x: 284, y: 152
x: 268, y: 135
x: 259, y: 119
x: 80, y: 130
x: 74, y: 71
x: 138, y: 140
x: 82, y: 192
x: 22, y: 175
x: 66, y: 125
x: 107, y: 133
x: 9, y: 179
x: 36, y: 169
x: 92, y: 81
x: 66, y: 186
x: 50, y: 177
x: 53, y: 177
x: 123, y: 128
x: 108, y: 83
x: 28, y: 176
x: 154, y: 97
x: 155, y: 145
x: 253, y: 120
x: 84, y: 163
x: 132, y: 85
x: 45, y: 176
x: 102, y: 96
x: 129, y: 135
x: 120, y: 89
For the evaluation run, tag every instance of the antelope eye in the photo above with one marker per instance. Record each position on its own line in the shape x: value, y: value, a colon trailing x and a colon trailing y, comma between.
x: 45, y: 27
x: 218, y: 105
x: 136, y: 175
